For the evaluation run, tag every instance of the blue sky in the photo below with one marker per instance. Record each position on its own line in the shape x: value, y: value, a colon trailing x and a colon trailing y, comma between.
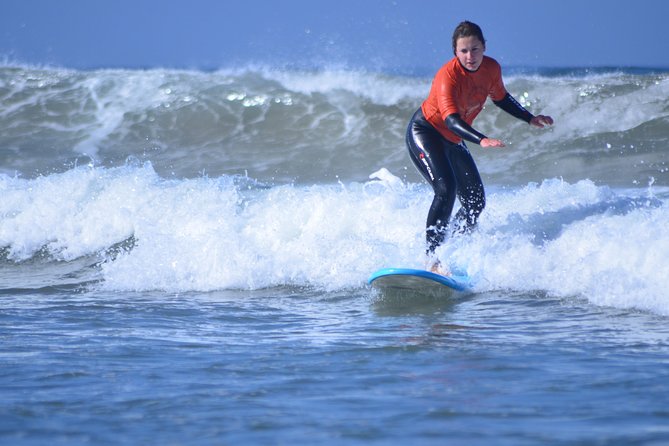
x: 395, y: 35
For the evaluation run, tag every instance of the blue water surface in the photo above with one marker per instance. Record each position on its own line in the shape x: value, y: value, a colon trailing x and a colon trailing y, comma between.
x: 300, y: 366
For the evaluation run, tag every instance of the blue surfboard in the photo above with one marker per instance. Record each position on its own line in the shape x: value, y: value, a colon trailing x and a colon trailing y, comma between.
x: 418, y: 281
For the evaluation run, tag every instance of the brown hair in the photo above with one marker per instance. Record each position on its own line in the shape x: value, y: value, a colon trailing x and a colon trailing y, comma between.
x: 467, y: 29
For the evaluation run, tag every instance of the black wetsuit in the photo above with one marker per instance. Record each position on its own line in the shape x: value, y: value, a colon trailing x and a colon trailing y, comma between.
x: 451, y: 170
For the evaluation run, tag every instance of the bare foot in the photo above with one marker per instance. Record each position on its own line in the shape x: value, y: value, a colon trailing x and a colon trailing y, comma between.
x: 437, y: 268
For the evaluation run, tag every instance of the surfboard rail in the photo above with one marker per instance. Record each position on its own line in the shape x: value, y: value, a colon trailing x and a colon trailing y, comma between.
x: 457, y: 282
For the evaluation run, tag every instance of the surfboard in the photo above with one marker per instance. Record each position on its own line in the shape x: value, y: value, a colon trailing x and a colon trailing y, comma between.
x: 407, y: 281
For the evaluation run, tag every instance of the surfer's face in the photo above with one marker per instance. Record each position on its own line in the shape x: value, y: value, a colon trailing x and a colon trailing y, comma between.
x: 469, y: 51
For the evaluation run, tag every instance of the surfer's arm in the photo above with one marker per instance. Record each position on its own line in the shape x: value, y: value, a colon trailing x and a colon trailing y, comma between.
x: 465, y: 131
x: 512, y: 107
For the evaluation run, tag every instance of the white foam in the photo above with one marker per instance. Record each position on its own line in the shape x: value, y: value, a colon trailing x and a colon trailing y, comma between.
x: 568, y: 240
x: 579, y: 241
x: 329, y: 236
x: 380, y: 89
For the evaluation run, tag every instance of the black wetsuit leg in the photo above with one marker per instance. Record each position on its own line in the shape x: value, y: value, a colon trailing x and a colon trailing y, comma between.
x: 451, y: 171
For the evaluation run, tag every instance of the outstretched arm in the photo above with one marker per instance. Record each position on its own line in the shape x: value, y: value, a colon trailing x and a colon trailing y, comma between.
x: 541, y: 121
x: 465, y: 131
x: 512, y: 107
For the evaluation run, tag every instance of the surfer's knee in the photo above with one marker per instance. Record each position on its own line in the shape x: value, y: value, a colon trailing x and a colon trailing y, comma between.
x: 444, y: 188
x: 473, y: 200
x: 477, y: 205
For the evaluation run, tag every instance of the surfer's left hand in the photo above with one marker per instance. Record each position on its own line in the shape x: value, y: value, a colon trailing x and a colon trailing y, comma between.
x: 541, y: 121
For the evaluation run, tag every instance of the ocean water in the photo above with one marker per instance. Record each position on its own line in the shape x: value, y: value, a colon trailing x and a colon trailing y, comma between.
x: 184, y: 259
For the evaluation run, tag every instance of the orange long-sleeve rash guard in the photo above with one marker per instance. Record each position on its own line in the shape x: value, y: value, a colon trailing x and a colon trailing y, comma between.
x: 456, y: 90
